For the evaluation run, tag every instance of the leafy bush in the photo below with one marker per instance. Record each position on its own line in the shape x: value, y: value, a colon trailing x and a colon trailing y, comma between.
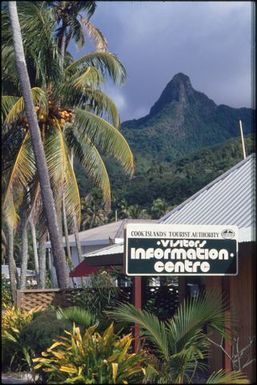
x: 15, y: 354
x: 102, y: 295
x: 41, y: 331
x: 76, y: 314
x: 92, y: 359
x: 180, y: 344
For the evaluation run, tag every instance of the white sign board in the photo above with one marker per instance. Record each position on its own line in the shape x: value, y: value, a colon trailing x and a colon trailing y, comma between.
x: 165, y: 250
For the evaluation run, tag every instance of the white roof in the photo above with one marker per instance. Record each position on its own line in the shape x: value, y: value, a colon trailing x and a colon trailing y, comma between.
x: 103, y: 235
x: 228, y: 200
x: 109, y: 250
x: 5, y: 271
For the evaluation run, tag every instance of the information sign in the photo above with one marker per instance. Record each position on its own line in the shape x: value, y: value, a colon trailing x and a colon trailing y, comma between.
x: 164, y: 249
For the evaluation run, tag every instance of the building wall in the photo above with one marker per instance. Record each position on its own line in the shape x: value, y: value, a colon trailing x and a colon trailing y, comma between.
x: 242, y: 298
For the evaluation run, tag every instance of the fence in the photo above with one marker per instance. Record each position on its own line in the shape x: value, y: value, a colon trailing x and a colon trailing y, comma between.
x: 162, y: 300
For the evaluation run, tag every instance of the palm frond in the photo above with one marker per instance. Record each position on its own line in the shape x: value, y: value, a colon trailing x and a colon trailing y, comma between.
x: 41, y: 49
x: 22, y: 173
x: 105, y: 62
x: 39, y: 98
x: 150, y: 325
x: 61, y: 173
x: 195, y: 314
x: 92, y: 161
x: 88, y: 77
x: 78, y: 315
x: 37, y: 25
x: 105, y: 136
x: 97, y: 36
x: 7, y: 104
x: 103, y: 106
x: 223, y: 377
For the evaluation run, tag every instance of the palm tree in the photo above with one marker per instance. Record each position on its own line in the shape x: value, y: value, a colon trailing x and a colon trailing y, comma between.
x: 70, y: 109
x: 159, y: 208
x: 46, y: 192
x: 69, y: 16
x: 70, y: 19
x: 93, y: 213
x: 181, y: 343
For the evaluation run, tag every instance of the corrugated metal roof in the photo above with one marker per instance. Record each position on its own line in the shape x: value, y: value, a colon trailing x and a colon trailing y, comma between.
x: 109, y: 250
x: 106, y: 232
x: 228, y: 200
x: 101, y: 232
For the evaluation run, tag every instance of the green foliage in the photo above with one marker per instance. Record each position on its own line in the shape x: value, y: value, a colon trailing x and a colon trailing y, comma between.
x: 41, y: 331
x: 80, y: 316
x: 6, y: 293
x: 92, y: 359
x: 92, y: 211
x: 171, y: 182
x: 15, y: 354
x: 180, y: 344
x: 73, y: 114
x: 223, y: 377
x: 175, y: 182
x: 101, y: 295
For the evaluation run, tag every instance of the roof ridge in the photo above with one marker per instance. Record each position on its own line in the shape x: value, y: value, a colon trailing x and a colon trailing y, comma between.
x: 120, y: 227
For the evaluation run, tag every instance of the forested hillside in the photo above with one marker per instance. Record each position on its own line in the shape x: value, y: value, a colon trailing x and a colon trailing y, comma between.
x: 184, y: 143
x: 171, y: 182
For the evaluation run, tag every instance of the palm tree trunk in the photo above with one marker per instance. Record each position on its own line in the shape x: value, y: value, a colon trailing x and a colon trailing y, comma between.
x: 75, y: 225
x: 77, y: 240
x: 67, y: 242
x: 34, y: 243
x: 24, y: 252
x: 42, y: 262
x: 52, y: 270
x: 46, y: 192
x: 63, y: 47
x: 66, y: 232
x: 11, y: 263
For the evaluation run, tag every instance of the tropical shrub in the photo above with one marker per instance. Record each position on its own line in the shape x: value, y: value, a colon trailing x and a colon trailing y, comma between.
x: 15, y: 354
x: 81, y: 317
x: 42, y: 330
x: 92, y: 359
x: 101, y: 295
x: 180, y: 345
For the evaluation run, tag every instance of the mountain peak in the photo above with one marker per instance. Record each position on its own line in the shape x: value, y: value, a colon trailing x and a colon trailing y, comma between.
x: 180, y: 78
x: 177, y: 90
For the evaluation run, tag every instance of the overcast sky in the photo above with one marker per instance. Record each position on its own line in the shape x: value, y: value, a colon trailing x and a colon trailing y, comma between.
x: 211, y: 42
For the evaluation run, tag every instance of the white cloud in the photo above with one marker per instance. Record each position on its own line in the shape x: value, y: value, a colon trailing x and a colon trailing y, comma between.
x: 116, y: 95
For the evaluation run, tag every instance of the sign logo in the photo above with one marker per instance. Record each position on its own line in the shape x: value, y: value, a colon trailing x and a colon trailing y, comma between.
x: 156, y: 249
x: 228, y: 234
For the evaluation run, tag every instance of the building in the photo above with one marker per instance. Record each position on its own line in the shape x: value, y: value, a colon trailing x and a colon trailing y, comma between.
x: 98, y: 238
x: 228, y: 200
x: 30, y: 276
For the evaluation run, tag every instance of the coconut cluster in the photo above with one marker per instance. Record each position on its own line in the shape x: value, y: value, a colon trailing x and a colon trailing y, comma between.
x: 53, y: 113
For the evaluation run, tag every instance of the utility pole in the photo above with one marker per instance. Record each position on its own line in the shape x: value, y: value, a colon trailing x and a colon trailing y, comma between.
x: 242, y: 138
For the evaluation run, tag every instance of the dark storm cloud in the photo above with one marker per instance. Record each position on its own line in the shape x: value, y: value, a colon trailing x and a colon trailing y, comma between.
x: 208, y: 41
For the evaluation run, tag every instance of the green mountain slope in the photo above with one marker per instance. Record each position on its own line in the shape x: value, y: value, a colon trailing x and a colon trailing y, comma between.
x: 174, y: 181
x: 182, y: 121
x: 184, y: 143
